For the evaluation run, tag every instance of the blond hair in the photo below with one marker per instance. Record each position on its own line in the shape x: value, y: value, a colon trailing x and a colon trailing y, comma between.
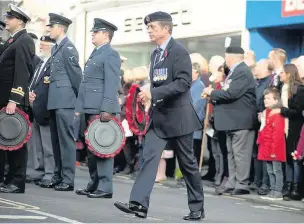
x: 280, y: 54
x: 136, y: 74
x: 199, y: 61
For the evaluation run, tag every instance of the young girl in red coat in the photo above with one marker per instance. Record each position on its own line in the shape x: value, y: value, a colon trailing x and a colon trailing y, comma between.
x: 271, y: 141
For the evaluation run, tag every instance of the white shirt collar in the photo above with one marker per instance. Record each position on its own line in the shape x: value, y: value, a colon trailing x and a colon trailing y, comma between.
x: 45, y: 59
x: 278, y: 71
x: 164, y: 45
x: 97, y: 48
x: 17, y: 32
x: 60, y: 40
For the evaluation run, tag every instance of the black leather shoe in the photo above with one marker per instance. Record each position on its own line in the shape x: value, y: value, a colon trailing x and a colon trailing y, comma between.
x: 48, y: 184
x: 240, y: 192
x: 194, y: 216
x: 208, y: 176
x: 99, y: 194
x: 131, y: 208
x: 63, y: 187
x: 51, y: 184
x: 128, y: 170
x: 295, y: 193
x: 28, y: 181
x: 82, y: 192
x: 11, y: 188
x: 43, y: 183
x: 221, y: 191
x: 37, y: 182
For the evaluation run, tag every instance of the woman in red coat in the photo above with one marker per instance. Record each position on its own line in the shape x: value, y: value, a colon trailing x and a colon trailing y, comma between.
x: 271, y: 141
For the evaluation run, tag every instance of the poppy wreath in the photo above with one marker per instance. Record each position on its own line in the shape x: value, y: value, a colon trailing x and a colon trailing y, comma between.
x: 90, y: 146
x: 137, y: 117
x: 26, y: 137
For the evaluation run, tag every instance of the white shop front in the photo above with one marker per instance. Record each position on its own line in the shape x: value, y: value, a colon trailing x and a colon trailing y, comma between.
x: 201, y: 25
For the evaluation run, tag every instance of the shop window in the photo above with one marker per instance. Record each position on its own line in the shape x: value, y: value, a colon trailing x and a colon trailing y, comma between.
x: 140, y: 53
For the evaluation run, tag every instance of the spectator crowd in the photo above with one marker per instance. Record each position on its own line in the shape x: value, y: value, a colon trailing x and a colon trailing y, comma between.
x: 256, y: 145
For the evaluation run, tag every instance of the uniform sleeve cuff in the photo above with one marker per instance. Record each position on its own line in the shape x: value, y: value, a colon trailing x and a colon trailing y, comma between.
x: 13, y: 102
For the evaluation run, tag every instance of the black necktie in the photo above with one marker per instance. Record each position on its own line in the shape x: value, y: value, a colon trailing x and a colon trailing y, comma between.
x: 157, y: 57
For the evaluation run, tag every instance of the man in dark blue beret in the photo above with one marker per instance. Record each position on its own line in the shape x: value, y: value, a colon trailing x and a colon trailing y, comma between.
x: 65, y: 78
x: 34, y: 36
x: 102, y: 75
x: 235, y: 113
x: 41, y: 159
x: 173, y: 119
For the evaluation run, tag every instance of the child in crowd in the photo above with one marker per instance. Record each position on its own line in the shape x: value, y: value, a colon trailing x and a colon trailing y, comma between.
x: 271, y: 141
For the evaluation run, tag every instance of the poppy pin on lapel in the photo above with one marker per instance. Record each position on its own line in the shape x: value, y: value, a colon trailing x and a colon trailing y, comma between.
x: 165, y: 53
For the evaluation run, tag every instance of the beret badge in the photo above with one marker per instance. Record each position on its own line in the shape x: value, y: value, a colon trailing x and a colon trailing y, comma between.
x: 148, y: 19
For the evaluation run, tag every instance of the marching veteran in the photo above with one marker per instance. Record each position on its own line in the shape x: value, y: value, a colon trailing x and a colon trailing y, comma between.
x: 170, y: 96
x: 235, y: 113
x: 98, y: 96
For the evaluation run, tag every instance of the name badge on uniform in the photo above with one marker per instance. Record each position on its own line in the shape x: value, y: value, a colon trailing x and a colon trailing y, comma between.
x: 160, y: 74
x: 46, y: 79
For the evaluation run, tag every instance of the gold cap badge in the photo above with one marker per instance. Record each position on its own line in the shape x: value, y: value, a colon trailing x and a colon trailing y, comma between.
x: 148, y: 19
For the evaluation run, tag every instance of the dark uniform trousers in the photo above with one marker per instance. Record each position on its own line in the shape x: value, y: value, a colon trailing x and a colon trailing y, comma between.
x: 171, y: 98
x: 17, y: 167
x: 64, y: 149
x: 152, y: 151
x: 101, y: 170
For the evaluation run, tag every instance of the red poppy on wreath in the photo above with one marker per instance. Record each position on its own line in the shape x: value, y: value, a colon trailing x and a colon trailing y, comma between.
x: 10, y: 40
x: 165, y: 53
x: 136, y: 116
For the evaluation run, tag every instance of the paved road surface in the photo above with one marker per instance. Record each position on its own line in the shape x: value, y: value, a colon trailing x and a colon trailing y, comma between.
x: 167, y: 205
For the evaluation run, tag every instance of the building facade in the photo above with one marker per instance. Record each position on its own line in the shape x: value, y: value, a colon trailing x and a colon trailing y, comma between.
x: 276, y: 24
x: 200, y: 25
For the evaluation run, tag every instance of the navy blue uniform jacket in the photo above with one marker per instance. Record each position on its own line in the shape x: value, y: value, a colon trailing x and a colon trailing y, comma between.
x: 16, y: 67
x: 41, y: 89
x: 172, y: 111
x: 235, y: 108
